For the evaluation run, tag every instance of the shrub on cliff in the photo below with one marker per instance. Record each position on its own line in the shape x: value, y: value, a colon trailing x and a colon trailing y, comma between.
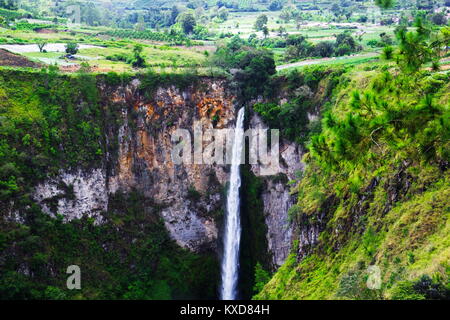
x: 72, y: 48
x: 251, y: 67
x: 261, y: 278
x: 138, y: 60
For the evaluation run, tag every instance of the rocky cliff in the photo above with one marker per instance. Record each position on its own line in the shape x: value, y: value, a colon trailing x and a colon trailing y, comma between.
x: 191, y: 196
x: 276, y: 195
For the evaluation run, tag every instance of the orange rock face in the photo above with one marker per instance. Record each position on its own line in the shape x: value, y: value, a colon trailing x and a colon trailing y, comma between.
x: 144, y: 160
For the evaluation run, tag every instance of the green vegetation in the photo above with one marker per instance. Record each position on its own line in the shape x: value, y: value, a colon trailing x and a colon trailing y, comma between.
x: 9, y: 15
x: 292, y: 117
x: 138, y: 60
x: 171, y: 38
x: 251, y: 67
x: 377, y: 170
x: 72, y: 48
x: 187, y: 22
x: 261, y: 278
x: 362, y: 87
x: 44, y: 127
x: 298, y: 47
x: 261, y: 22
x: 130, y: 257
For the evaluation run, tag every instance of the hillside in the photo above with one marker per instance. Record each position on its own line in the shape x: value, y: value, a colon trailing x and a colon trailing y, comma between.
x: 224, y: 150
x: 374, y: 193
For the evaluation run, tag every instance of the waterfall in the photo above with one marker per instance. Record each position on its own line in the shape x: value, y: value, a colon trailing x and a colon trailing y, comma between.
x: 232, y: 234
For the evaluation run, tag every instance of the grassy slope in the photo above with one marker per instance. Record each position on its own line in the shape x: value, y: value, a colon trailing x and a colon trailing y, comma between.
x: 319, y: 277
x: 382, y: 164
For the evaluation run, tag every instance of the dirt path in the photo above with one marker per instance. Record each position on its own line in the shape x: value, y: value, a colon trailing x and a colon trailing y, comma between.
x: 317, y: 61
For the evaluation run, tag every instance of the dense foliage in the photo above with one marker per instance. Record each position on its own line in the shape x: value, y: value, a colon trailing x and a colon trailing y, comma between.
x: 377, y: 171
x: 292, y: 117
x: 254, y: 250
x: 299, y: 47
x: 173, y: 38
x: 251, y: 67
x: 129, y: 257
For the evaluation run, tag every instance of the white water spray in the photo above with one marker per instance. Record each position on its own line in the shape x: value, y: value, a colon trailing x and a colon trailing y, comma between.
x: 232, y: 234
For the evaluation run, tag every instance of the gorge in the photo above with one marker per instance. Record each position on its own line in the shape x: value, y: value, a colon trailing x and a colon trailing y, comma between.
x: 130, y: 157
x: 93, y: 174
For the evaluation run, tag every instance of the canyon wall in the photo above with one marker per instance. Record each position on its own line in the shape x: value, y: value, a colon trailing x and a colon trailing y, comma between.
x: 190, y: 196
x: 276, y: 195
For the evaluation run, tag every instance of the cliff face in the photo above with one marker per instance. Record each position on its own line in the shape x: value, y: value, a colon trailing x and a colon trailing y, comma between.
x: 139, y: 158
x: 276, y: 195
x: 190, y: 196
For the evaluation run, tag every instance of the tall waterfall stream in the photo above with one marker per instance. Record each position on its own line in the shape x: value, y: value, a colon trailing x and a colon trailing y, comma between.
x: 232, y: 234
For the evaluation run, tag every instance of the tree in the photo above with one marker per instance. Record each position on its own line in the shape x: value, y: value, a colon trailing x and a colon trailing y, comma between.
x: 347, y: 42
x: 336, y: 9
x: 41, y: 45
x: 235, y: 44
x: 348, y: 13
x: 439, y: 19
x: 386, y: 39
x: 265, y: 31
x: 286, y: 15
x: 297, y: 47
x: 385, y: 4
x: 261, y: 21
x: 90, y: 14
x: 388, y: 53
x: 275, y: 5
x: 72, y: 48
x: 363, y: 19
x: 297, y: 16
x: 187, y: 22
x: 343, y: 50
x: 254, y: 70
x: 138, y: 60
x: 251, y: 67
x: 324, y: 49
x: 420, y: 46
x: 281, y: 32
x: 140, y: 25
x: 9, y: 4
x: 173, y: 15
x: 261, y: 278
x: 222, y: 14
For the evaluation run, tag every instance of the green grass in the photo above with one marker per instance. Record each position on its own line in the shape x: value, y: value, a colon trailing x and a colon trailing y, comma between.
x: 374, y: 171
x: 157, y: 56
x: 319, y: 277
